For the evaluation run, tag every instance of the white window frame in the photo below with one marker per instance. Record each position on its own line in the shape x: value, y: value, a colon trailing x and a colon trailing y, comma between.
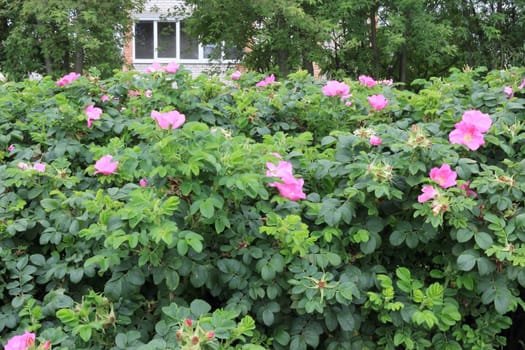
x: 155, y: 58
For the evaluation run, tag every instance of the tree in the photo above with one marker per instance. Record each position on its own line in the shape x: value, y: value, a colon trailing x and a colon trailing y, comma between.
x: 276, y: 34
x: 400, y: 39
x: 58, y: 36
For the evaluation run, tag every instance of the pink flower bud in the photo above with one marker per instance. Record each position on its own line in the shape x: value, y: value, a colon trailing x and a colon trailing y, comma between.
x: 189, y: 322
x: 210, y: 335
x: 375, y: 140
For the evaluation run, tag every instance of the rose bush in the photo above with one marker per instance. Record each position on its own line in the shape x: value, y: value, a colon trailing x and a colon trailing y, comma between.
x: 200, y: 213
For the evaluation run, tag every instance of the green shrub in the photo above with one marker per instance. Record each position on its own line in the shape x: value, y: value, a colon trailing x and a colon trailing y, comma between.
x: 186, y: 245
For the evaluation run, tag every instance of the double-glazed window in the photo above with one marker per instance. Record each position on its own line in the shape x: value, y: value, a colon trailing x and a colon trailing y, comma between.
x: 169, y: 40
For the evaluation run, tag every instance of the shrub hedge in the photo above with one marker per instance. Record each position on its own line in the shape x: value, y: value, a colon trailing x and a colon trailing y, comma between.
x: 189, y: 245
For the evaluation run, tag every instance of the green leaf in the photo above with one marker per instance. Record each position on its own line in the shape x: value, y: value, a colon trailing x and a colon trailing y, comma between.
x: 172, y: 279
x: 199, y: 307
x: 207, y: 208
x: 66, y: 315
x: 346, y: 321
x: 467, y: 260
x: 502, y: 300
x: 485, y: 266
x: 464, y: 235
x: 84, y: 331
x: 267, y: 317
x: 199, y: 276
x: 483, y: 240
x: 397, y: 238
x: 298, y: 343
x: 136, y: 277
x: 403, y: 274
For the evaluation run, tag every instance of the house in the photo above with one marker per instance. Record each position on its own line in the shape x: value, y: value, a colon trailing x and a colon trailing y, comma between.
x: 160, y: 36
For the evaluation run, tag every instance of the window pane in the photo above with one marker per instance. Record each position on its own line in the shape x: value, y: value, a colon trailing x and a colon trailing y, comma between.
x: 189, y: 47
x: 211, y: 51
x: 232, y: 53
x: 144, y: 40
x: 166, y: 39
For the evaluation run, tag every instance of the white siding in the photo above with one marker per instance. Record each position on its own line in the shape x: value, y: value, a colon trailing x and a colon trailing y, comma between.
x: 153, y: 9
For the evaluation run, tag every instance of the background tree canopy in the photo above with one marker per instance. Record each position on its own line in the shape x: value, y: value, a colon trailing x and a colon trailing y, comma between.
x: 400, y: 39
x: 57, y: 36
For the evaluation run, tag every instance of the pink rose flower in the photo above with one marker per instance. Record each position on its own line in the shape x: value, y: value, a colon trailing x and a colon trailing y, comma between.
x: 143, y: 183
x: 469, y: 131
x: 375, y: 140
x: 105, y: 166
x: 378, y: 102
x: 387, y: 82
x: 367, y: 81
x: 481, y: 120
x: 11, y: 148
x: 147, y: 93
x: 236, y: 75
x: 429, y: 192
x: 335, y: 88
x: 68, y: 78
x: 41, y: 167
x: 283, y: 170
x: 291, y: 189
x: 23, y: 165
x: 167, y: 119
x: 467, y: 134
x: 508, y: 91
x: 155, y: 67
x: 266, y: 81
x: 444, y: 176
x: 348, y: 103
x: 20, y: 342
x: 104, y: 98
x: 171, y: 68
x: 92, y: 113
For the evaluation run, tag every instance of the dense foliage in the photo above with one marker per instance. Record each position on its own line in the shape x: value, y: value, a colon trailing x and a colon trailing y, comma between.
x: 137, y: 211
x: 57, y: 36
x: 400, y: 39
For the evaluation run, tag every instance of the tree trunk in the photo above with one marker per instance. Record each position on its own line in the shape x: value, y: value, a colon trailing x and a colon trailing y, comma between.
x: 373, y: 40
x: 49, y: 64
x: 281, y: 58
x: 79, y: 59
x: 308, y: 65
x: 403, y: 64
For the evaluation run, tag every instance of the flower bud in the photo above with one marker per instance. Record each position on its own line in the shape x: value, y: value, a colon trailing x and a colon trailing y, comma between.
x: 195, y: 340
